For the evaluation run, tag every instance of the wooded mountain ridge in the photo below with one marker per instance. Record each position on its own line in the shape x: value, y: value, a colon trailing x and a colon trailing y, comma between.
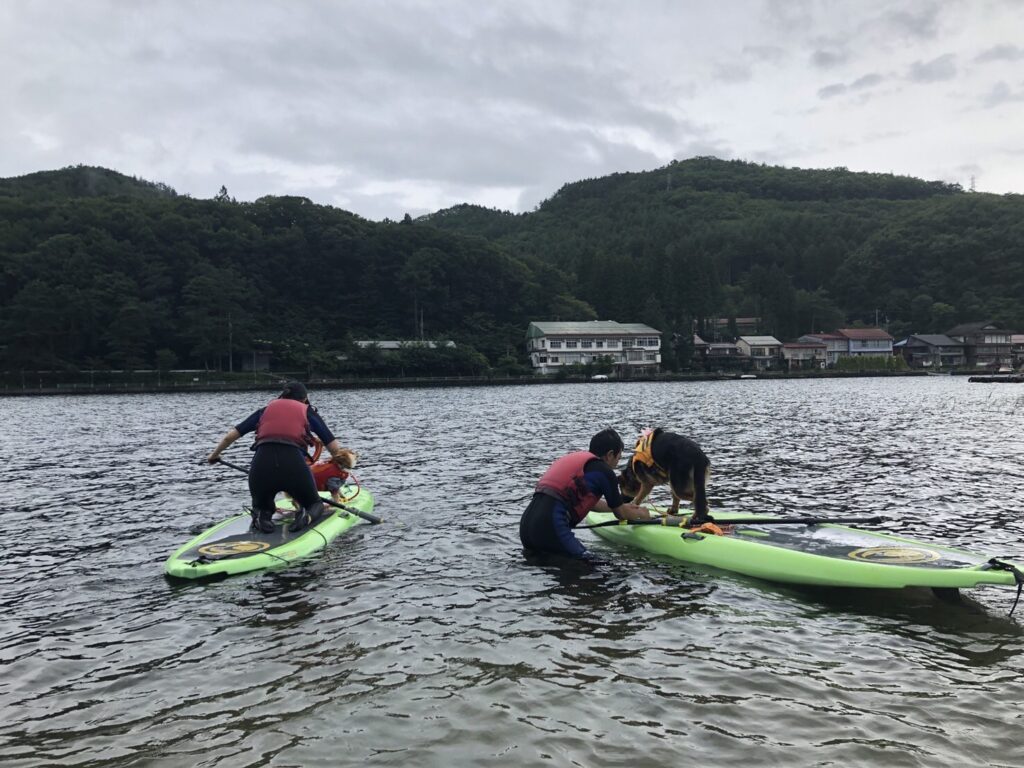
x: 99, y: 269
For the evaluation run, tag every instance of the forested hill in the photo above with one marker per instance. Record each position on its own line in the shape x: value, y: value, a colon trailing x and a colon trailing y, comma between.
x: 802, y: 249
x: 133, y: 279
x: 81, y: 181
x: 99, y: 269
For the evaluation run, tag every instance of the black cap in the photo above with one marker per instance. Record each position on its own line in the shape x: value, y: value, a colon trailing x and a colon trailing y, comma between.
x: 294, y: 390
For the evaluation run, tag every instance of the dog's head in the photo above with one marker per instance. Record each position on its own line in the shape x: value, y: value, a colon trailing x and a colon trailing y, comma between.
x: 345, y: 459
x: 629, y: 483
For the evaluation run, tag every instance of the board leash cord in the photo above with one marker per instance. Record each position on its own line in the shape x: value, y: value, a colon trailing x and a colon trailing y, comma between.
x: 998, y: 564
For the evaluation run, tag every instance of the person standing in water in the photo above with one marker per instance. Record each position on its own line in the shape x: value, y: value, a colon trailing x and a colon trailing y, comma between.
x: 572, y: 486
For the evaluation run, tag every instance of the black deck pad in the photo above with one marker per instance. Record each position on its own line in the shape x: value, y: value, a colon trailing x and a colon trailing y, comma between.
x: 852, y: 544
x: 238, y: 539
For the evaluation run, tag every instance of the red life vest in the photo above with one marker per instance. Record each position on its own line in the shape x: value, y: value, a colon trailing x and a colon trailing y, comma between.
x: 284, y: 421
x: 564, y: 481
x: 324, y: 471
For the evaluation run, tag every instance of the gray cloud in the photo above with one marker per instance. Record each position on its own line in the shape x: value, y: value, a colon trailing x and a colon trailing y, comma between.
x: 772, y: 54
x: 828, y: 59
x: 934, y: 71
x: 1001, y: 53
x: 732, y: 72
x: 920, y: 20
x: 1001, y: 93
x: 829, y: 91
x: 400, y: 107
x: 867, y: 81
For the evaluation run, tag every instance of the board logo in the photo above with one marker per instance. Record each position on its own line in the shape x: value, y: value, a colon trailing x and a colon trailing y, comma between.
x: 233, y: 548
x: 895, y: 555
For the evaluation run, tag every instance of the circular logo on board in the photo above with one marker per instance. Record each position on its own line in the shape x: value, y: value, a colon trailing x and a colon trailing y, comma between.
x: 233, y: 548
x: 894, y: 555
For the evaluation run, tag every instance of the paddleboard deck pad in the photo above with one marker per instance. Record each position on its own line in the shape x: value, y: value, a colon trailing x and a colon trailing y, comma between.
x: 232, y: 546
x: 823, y: 554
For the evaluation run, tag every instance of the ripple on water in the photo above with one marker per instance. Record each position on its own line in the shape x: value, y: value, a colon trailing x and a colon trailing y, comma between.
x: 431, y: 641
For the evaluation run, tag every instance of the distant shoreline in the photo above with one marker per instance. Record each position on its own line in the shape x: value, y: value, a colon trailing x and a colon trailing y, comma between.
x: 130, y: 388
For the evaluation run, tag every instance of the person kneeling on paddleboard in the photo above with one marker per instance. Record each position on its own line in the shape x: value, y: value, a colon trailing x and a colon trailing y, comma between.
x: 572, y: 486
x: 284, y: 429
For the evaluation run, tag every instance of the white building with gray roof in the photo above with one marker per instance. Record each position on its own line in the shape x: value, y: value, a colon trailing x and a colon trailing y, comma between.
x: 631, y: 347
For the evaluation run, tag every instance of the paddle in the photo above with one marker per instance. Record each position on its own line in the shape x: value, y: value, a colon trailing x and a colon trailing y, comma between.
x: 744, y: 521
x: 330, y: 502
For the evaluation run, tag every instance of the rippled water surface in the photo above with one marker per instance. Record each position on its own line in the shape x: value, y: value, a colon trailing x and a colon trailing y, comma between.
x: 429, y: 640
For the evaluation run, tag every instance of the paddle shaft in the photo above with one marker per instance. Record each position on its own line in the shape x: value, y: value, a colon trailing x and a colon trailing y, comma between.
x: 748, y: 521
x: 330, y: 502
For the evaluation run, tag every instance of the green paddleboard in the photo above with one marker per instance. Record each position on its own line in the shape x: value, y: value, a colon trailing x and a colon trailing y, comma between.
x: 825, y: 554
x: 232, y: 546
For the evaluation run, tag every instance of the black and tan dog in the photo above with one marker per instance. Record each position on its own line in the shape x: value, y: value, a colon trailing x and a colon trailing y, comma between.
x: 662, y: 457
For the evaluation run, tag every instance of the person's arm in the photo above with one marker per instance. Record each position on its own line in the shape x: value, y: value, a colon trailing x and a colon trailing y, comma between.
x: 624, y: 511
x: 343, y: 456
x: 242, y: 428
x: 232, y: 435
x: 611, y: 500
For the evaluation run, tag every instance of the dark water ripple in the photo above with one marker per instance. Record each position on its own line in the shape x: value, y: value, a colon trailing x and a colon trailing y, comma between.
x: 431, y: 641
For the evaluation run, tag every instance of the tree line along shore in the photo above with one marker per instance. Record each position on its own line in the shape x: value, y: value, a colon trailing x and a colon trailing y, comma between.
x: 103, y: 272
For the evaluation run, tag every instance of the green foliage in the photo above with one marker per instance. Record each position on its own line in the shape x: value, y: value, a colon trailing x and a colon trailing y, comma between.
x: 101, y: 270
x: 804, y: 250
x: 413, y: 359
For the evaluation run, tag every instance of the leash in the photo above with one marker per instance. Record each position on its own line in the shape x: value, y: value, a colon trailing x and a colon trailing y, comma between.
x: 996, y: 564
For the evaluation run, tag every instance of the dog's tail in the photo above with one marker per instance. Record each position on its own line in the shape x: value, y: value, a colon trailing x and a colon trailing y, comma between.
x: 700, y: 496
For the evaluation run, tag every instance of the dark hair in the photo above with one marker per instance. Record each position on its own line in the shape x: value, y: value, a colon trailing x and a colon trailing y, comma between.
x: 604, y: 441
x: 294, y: 390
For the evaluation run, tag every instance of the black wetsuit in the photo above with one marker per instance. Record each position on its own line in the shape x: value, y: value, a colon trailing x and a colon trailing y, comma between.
x: 278, y: 467
x: 546, y: 525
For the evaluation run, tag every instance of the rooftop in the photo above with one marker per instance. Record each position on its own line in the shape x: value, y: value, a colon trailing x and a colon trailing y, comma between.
x: 965, y: 329
x: 760, y: 341
x: 936, y: 339
x: 588, y: 328
x: 864, y: 334
x: 825, y: 336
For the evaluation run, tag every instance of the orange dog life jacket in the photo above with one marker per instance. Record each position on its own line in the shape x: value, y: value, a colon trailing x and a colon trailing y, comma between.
x: 324, y: 471
x: 643, y: 453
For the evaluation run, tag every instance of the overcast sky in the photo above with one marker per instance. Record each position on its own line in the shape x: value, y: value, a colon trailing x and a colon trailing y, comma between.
x: 391, y: 107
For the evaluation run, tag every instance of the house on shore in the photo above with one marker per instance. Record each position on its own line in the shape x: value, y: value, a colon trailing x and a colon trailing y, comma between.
x: 631, y: 347
x: 986, y: 345
x: 1017, y: 349
x: 804, y: 355
x: 765, y: 352
x: 931, y: 350
x: 836, y: 346
x: 722, y: 356
x: 863, y: 342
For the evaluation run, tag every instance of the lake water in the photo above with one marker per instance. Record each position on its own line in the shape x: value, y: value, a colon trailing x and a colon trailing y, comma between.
x: 430, y: 641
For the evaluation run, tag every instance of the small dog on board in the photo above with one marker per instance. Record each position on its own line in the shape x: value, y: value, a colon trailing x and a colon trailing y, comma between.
x: 661, y: 458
